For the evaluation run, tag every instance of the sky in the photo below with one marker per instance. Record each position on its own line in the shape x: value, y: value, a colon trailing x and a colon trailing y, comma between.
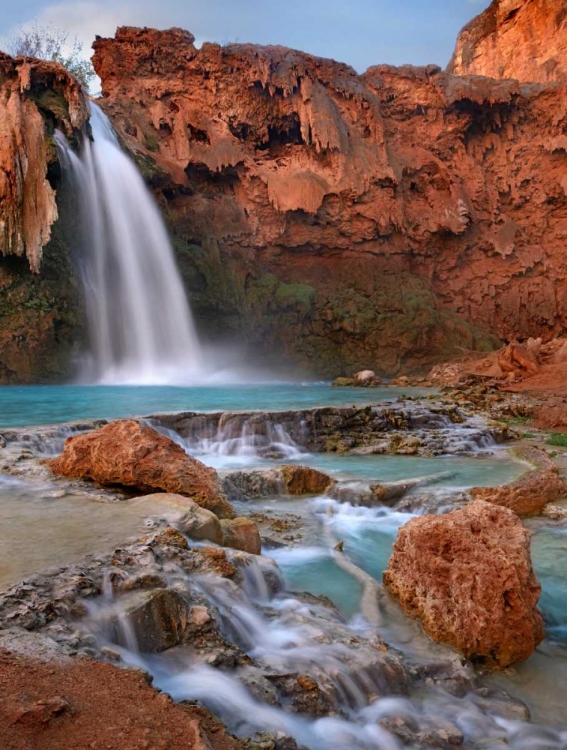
x: 358, y: 32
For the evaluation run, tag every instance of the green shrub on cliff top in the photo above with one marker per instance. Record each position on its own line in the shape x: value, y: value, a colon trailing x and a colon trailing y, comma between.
x: 55, y: 45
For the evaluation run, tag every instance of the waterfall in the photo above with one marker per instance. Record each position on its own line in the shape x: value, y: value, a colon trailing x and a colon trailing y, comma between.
x: 141, y: 330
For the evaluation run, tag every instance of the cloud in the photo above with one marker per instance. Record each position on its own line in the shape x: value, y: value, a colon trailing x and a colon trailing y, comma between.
x: 85, y: 19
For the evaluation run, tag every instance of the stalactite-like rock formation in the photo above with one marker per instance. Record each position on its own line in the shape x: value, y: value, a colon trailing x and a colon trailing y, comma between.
x: 38, y: 300
x: 348, y: 220
x: 35, y: 97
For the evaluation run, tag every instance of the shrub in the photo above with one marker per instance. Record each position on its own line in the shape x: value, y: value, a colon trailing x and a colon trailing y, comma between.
x: 559, y: 439
x: 55, y: 45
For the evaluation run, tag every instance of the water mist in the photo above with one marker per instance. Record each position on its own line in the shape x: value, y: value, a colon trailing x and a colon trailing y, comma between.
x: 140, y: 325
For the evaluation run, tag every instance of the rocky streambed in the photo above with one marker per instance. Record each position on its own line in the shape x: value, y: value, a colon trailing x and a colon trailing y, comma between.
x: 302, y: 645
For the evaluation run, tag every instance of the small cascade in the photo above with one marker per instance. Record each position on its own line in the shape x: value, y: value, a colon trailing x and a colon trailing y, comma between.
x: 235, y: 440
x: 141, y: 330
x: 284, y: 637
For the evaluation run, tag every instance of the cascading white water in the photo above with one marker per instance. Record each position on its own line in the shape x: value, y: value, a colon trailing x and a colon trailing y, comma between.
x: 140, y: 324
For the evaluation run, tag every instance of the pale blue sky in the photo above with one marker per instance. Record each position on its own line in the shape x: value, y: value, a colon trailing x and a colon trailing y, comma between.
x: 358, y: 32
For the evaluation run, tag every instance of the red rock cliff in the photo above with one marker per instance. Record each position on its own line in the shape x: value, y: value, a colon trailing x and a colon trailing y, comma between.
x: 33, y: 93
x: 522, y: 39
x: 37, y: 297
x: 348, y: 220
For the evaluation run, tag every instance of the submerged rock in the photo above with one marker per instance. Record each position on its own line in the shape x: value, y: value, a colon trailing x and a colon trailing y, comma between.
x: 131, y: 454
x: 528, y: 495
x: 242, y: 534
x: 303, y: 480
x: 467, y: 577
x: 285, y: 480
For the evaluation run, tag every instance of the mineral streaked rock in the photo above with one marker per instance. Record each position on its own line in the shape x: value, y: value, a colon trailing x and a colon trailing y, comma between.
x: 129, y: 453
x: 35, y: 96
x: 529, y: 494
x: 523, y: 39
x: 351, y: 221
x: 467, y: 577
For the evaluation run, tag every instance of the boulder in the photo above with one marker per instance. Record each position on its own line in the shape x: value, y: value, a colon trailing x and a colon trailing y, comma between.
x: 303, y: 480
x: 183, y: 513
x: 367, y: 378
x: 150, y: 621
x: 467, y: 577
x: 242, y: 534
x: 528, y: 495
x: 202, y: 525
x: 129, y: 453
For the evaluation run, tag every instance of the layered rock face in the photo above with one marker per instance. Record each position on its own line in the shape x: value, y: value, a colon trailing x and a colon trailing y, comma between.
x: 347, y: 220
x: 467, y: 577
x: 522, y: 39
x: 37, y: 310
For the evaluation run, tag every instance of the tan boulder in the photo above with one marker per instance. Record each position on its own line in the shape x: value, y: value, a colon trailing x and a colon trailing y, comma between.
x: 129, y: 453
x: 242, y: 534
x: 303, y: 480
x: 201, y: 524
x: 528, y: 495
x: 467, y: 577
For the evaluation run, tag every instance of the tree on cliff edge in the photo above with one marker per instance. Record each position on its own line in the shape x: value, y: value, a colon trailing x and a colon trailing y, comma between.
x: 53, y: 44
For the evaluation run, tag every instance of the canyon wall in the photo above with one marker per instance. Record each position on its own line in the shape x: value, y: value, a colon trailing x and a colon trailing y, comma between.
x: 522, y: 39
x: 38, y: 296
x: 385, y: 219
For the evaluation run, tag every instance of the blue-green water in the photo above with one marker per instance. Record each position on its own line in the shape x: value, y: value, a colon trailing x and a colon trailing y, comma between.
x: 22, y: 406
x: 549, y: 552
x: 458, y: 471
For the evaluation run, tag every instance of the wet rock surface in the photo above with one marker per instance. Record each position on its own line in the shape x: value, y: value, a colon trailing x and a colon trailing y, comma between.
x: 151, y: 621
x: 467, y: 577
x: 284, y: 480
x: 406, y: 427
